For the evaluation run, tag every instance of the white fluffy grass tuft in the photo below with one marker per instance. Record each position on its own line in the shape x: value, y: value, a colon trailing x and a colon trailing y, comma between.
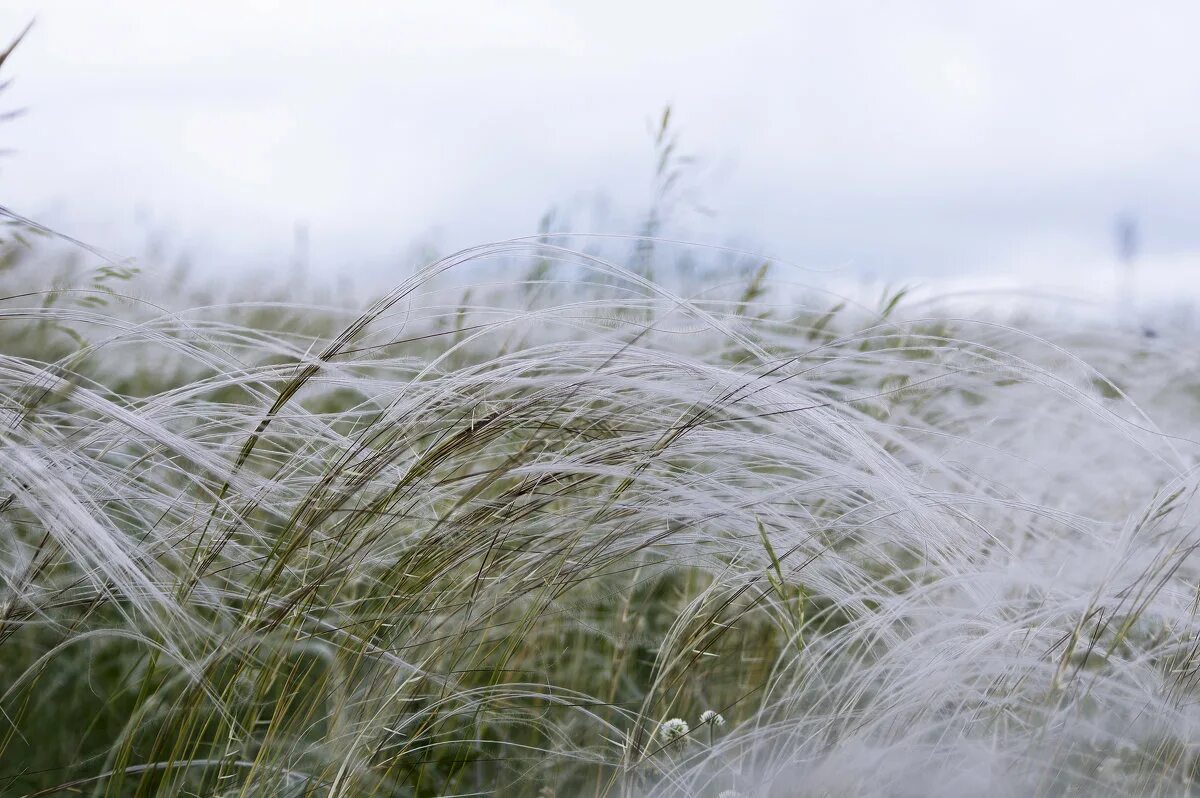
x: 482, y: 538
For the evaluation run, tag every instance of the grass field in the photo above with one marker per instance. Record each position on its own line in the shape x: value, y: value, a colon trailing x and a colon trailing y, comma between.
x: 493, y: 533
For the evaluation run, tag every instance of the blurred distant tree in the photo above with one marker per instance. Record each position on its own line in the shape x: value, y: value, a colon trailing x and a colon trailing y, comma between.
x: 1126, y: 229
x: 1128, y: 241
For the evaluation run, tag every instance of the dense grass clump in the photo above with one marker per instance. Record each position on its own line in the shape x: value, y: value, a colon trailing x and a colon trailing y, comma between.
x: 517, y: 527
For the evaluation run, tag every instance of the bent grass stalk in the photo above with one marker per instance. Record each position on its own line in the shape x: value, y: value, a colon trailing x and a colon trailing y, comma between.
x: 490, y: 538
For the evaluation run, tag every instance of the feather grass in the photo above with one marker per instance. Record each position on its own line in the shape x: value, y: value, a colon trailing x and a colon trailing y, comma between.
x: 488, y: 535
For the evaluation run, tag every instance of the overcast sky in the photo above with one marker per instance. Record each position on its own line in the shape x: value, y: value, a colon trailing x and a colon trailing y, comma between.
x: 876, y: 137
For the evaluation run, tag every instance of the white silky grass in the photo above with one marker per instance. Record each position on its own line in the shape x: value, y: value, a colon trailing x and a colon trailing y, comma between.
x: 487, y: 534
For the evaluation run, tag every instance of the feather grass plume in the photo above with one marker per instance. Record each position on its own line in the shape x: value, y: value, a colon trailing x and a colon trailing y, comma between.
x: 486, y: 534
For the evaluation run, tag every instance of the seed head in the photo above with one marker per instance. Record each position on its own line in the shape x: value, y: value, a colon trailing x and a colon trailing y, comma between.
x: 673, y: 729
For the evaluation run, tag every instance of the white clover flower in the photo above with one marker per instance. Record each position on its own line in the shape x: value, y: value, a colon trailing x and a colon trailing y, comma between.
x: 673, y: 729
x: 709, y: 716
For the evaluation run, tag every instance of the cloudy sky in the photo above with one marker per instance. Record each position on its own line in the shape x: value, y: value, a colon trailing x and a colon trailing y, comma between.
x: 916, y: 138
